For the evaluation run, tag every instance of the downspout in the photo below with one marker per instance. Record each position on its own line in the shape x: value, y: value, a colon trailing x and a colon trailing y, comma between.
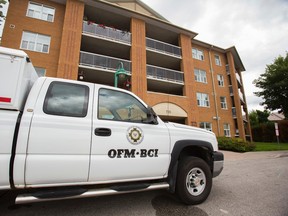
x: 214, y: 91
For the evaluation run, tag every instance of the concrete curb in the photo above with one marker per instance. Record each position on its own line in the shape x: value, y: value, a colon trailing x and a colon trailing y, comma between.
x: 234, y: 156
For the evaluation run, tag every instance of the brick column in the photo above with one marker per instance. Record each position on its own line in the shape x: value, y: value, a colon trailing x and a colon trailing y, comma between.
x: 187, y: 68
x: 71, y: 40
x: 138, y: 58
x: 236, y: 96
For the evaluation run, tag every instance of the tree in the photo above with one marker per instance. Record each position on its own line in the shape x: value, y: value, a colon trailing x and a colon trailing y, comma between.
x: 258, y: 117
x: 2, y: 2
x: 274, y: 85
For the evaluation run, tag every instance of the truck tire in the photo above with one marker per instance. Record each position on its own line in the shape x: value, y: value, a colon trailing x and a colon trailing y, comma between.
x: 194, y: 180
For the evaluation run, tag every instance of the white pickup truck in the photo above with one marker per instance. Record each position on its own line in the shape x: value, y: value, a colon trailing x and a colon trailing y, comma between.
x: 65, y: 139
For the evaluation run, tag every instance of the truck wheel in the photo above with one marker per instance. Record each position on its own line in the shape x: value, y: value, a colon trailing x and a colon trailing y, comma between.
x: 194, y: 180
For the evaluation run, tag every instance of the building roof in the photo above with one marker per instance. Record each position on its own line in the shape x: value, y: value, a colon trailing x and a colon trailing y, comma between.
x: 276, y: 117
x: 142, y: 4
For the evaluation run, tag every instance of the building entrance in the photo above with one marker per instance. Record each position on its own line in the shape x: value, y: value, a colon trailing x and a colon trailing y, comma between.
x: 171, y: 112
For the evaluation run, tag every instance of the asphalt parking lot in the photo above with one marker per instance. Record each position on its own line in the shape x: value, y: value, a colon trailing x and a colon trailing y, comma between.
x: 251, y: 184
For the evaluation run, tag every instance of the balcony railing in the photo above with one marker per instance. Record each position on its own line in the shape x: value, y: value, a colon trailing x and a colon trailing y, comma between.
x: 163, y: 47
x: 238, y: 78
x: 241, y: 96
x: 165, y: 74
x: 231, y: 90
x: 237, y: 133
x: 234, y: 112
x: 106, y: 32
x: 227, y: 69
x: 103, y: 62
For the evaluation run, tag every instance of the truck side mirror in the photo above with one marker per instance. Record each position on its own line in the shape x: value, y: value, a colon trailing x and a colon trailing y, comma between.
x: 151, y: 116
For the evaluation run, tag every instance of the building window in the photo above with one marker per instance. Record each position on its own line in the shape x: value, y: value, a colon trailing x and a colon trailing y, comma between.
x: 40, y: 71
x: 217, y: 60
x: 40, y: 11
x: 35, y: 42
x: 223, y: 102
x: 203, y: 100
x: 197, y: 54
x: 220, y: 79
x: 227, y: 130
x: 200, y: 75
x: 206, y: 125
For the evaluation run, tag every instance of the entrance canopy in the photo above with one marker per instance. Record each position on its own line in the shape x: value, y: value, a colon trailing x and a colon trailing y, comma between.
x: 169, y: 109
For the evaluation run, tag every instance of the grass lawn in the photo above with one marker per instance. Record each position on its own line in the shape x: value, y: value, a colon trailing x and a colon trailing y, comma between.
x: 261, y: 146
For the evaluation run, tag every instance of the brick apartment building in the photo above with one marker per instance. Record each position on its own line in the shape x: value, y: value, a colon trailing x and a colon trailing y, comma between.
x: 185, y: 80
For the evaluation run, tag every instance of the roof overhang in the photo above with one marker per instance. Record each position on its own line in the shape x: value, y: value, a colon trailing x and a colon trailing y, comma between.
x: 237, y: 60
x: 111, y: 7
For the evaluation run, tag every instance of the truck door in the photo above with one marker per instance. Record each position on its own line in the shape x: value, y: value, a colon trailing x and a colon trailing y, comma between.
x: 60, y: 134
x: 124, y: 145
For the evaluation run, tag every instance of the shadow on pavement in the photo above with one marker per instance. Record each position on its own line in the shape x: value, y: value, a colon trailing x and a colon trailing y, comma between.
x: 169, y: 205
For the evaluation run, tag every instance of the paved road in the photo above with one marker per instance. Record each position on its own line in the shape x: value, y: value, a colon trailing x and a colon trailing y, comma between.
x: 253, y: 184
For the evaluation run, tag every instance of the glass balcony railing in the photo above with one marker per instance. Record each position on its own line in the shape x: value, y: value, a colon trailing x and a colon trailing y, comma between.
x: 106, y: 32
x: 103, y: 62
x: 165, y: 74
x: 163, y: 47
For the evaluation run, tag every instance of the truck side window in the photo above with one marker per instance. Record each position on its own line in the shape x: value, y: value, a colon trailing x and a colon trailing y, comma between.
x: 66, y: 99
x: 119, y: 106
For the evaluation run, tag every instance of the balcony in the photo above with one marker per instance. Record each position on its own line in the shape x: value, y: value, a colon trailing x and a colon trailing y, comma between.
x: 162, y: 47
x: 237, y: 133
x: 165, y: 74
x: 103, y: 62
x: 234, y: 112
x: 231, y: 90
x: 106, y: 32
x: 227, y: 69
x: 238, y: 78
x: 99, y: 68
x: 165, y: 80
x: 241, y: 96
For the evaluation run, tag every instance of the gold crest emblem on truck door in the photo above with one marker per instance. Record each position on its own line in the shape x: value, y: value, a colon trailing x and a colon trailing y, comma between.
x: 135, y: 135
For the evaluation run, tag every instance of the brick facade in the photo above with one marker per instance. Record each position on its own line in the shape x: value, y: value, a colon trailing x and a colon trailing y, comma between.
x: 63, y: 61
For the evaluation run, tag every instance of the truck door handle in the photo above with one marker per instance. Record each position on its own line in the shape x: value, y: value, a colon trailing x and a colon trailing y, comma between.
x: 102, y: 132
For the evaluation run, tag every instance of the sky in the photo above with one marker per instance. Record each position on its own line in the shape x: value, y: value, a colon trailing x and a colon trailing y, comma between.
x: 257, y: 28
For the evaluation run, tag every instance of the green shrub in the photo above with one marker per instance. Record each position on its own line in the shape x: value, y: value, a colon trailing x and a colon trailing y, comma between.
x: 235, y: 144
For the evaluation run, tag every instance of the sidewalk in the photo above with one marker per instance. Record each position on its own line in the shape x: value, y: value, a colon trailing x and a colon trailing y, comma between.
x: 234, y: 156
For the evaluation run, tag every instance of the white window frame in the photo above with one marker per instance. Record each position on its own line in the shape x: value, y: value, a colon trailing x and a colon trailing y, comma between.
x: 217, y: 60
x: 220, y: 79
x: 203, y: 100
x: 197, y: 54
x: 40, y: 14
x: 200, y: 75
x: 227, y: 131
x: 35, y: 45
x: 223, y: 102
x: 206, y: 126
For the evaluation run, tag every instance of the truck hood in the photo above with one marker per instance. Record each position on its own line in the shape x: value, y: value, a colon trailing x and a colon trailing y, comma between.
x: 185, y: 132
